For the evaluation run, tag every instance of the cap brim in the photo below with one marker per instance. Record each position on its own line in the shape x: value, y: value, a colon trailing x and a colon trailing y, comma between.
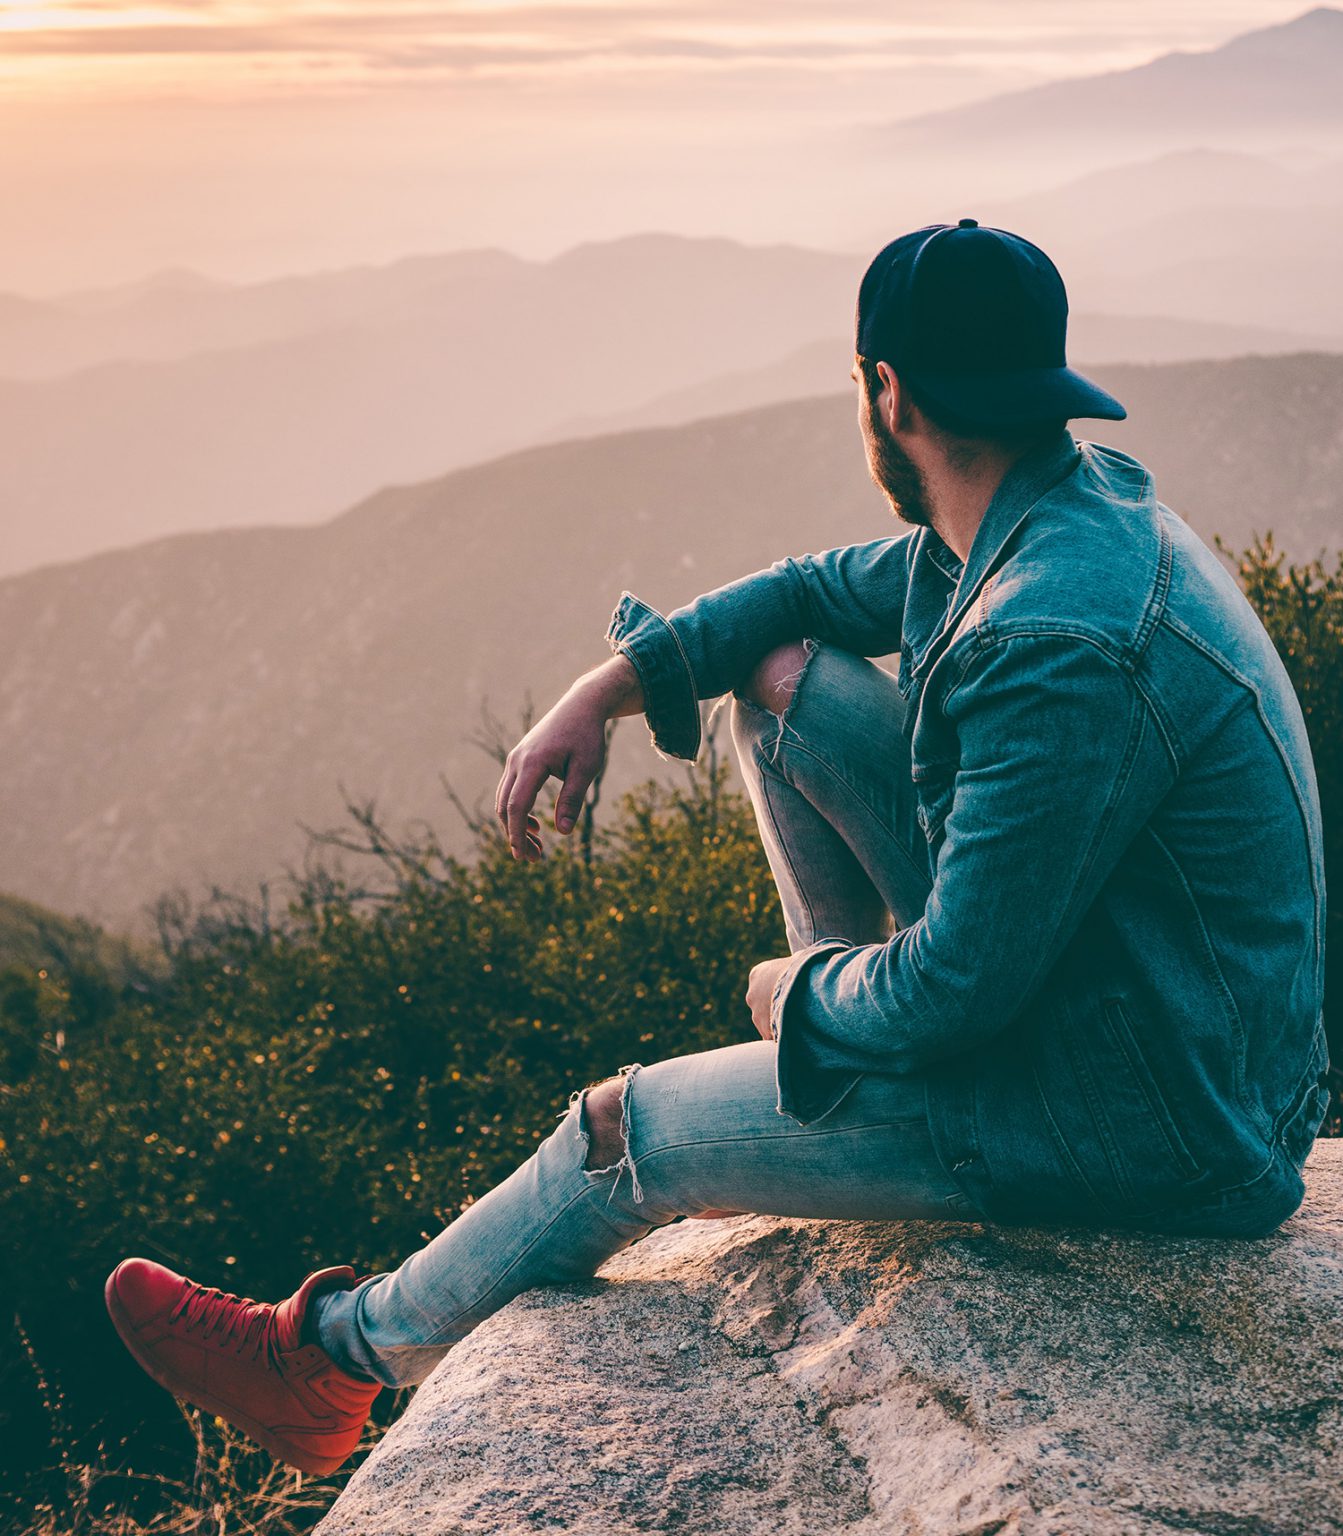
x: 1019, y: 399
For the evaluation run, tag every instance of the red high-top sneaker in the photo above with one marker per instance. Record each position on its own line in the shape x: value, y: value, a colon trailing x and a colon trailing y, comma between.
x: 244, y: 1360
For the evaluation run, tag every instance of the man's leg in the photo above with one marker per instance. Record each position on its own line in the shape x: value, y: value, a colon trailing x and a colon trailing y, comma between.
x: 821, y: 743
x: 827, y: 766
x: 700, y: 1132
x: 820, y: 737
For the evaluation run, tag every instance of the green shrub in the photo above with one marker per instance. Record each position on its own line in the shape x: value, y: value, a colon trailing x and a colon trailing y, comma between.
x: 336, y: 1085
x: 1301, y: 607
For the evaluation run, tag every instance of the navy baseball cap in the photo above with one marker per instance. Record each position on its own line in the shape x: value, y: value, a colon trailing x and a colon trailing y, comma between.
x: 976, y: 319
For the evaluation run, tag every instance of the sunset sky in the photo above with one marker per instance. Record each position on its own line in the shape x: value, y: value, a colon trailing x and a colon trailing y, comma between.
x: 245, y: 140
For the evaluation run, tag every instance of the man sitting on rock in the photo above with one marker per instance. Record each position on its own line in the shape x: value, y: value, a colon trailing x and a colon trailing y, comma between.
x: 1053, y: 891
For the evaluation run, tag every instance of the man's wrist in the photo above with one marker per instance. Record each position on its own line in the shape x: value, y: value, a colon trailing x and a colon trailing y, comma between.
x: 615, y: 686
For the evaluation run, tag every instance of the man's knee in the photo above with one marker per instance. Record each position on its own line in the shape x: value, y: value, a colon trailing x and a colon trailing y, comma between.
x: 775, y: 676
x: 606, y: 1139
x: 606, y: 1143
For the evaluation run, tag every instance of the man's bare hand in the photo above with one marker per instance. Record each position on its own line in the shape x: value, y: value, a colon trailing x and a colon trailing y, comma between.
x: 568, y: 743
x: 760, y: 989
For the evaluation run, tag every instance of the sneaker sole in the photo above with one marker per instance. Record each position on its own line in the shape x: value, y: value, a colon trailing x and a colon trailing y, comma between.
x: 282, y: 1450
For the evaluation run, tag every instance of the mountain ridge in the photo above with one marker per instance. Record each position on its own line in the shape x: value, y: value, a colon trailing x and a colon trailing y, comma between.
x: 1298, y: 41
x: 184, y: 705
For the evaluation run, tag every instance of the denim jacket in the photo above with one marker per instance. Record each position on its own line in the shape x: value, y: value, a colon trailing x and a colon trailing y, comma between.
x: 1115, y: 989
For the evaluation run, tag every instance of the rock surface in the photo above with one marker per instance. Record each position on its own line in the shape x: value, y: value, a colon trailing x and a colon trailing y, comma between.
x: 946, y: 1379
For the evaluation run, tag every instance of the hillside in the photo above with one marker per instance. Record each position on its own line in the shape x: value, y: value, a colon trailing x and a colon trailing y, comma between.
x: 178, y: 314
x: 173, y: 711
x: 1093, y: 340
x: 33, y: 936
x: 284, y: 403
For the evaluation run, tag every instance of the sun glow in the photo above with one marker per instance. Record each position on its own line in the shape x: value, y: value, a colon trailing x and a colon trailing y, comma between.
x: 62, y: 18
x: 249, y: 136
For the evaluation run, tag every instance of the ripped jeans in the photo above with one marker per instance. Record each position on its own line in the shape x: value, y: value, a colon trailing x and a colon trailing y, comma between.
x: 704, y: 1132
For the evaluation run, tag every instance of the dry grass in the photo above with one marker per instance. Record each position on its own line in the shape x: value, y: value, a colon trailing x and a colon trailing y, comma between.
x: 234, y: 1488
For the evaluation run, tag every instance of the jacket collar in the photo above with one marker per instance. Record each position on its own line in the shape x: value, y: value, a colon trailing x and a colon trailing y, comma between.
x: 1020, y: 488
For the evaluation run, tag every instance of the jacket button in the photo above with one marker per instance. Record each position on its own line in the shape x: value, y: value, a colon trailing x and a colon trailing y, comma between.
x: 921, y: 816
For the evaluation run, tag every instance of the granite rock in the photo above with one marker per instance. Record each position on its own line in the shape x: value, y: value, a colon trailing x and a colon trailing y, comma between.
x: 755, y: 1374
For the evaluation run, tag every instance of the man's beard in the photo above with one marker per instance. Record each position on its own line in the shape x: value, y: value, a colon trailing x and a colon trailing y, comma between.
x: 895, y: 473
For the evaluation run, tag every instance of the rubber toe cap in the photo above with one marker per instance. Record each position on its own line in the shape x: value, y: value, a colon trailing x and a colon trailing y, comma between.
x: 141, y: 1289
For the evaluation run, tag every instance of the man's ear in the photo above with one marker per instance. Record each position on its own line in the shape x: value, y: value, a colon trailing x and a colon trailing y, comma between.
x: 898, y: 403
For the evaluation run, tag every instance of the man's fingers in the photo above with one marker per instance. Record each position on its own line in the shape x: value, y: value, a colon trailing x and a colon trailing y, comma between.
x: 521, y: 798
x: 524, y: 774
x: 502, y: 793
x: 578, y: 775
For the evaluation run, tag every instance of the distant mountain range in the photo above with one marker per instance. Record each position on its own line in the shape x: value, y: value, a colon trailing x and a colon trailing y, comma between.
x: 1274, y: 88
x: 1091, y: 213
x: 171, y: 712
x: 332, y: 386
x: 813, y: 369
x: 338, y: 384
x: 183, y: 403
x: 1207, y: 235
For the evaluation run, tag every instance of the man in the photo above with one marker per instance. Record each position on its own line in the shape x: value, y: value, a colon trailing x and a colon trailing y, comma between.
x: 1053, y: 893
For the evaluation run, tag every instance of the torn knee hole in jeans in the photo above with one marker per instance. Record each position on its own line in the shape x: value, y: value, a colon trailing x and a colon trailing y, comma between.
x: 792, y: 681
x: 578, y: 1106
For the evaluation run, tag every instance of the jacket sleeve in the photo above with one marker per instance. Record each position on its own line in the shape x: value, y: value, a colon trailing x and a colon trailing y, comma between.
x: 1061, y: 763
x: 852, y: 595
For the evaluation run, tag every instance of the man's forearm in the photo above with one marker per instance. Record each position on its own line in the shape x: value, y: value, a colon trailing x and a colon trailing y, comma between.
x: 852, y: 595
x: 615, y: 687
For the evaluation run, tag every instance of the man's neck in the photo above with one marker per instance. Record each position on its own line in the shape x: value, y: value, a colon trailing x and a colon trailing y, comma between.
x: 958, y: 497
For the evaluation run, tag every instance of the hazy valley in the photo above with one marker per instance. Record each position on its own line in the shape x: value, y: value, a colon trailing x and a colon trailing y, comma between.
x: 172, y: 711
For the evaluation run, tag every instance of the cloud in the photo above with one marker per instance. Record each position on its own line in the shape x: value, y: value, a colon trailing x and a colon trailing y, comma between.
x: 255, y: 48
x: 100, y: 42
x: 462, y: 35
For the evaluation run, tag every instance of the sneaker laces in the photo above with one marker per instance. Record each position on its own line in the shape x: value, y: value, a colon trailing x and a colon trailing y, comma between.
x: 232, y: 1317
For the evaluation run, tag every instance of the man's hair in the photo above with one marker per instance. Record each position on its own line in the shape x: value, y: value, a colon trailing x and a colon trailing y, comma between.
x: 963, y: 439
